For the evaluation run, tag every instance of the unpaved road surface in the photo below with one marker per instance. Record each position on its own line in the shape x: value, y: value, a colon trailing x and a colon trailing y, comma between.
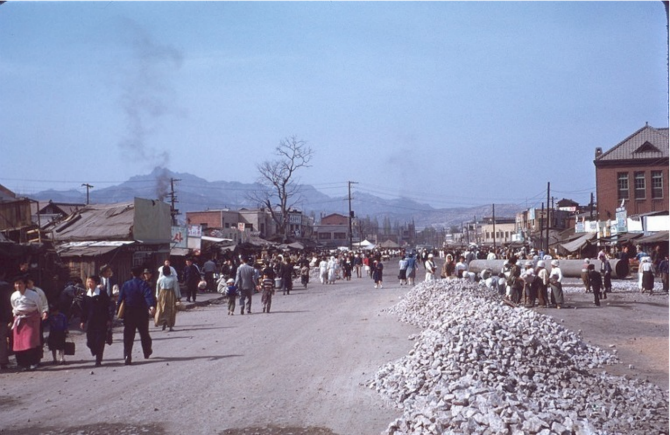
x: 302, y: 369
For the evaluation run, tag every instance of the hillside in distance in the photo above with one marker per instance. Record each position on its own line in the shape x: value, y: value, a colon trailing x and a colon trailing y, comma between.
x: 196, y: 194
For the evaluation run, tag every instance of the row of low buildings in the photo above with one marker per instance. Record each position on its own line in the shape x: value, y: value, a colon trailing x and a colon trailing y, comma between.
x: 632, y: 204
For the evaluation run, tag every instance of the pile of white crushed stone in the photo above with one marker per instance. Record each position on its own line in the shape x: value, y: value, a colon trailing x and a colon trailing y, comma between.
x: 482, y: 367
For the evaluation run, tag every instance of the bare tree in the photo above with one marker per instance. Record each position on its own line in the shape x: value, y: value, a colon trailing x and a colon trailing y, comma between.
x: 279, y: 178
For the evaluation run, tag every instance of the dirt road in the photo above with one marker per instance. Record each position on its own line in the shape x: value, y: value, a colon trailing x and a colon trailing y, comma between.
x: 301, y: 369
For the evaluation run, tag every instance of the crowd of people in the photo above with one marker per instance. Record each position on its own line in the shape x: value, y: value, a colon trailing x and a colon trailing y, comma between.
x: 25, y: 315
x: 100, y: 301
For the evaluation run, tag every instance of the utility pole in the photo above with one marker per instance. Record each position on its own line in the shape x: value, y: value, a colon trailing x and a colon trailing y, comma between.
x: 351, y: 214
x: 542, y: 219
x: 493, y: 207
x: 88, y: 188
x: 173, y: 200
x: 548, y: 214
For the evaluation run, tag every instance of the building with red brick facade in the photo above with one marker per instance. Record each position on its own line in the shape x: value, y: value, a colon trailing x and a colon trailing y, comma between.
x: 635, y: 173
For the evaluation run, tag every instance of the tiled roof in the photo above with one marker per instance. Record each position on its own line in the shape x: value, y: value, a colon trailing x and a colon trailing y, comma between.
x: 646, y: 143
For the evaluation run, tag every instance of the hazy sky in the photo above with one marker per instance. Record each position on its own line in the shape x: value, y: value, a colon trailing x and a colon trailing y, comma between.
x: 448, y: 103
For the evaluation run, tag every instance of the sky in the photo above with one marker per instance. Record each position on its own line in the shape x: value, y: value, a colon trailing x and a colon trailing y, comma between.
x: 448, y: 103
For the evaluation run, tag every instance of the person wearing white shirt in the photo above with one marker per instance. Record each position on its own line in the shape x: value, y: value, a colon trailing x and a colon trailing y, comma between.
x: 167, y: 296
x: 555, y: 278
x: 430, y: 268
x: 27, y: 309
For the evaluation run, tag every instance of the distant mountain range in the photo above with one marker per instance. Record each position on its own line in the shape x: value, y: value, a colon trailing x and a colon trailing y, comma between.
x: 195, y: 194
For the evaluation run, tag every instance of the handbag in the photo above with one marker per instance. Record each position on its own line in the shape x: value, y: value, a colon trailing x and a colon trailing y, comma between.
x: 122, y: 310
x: 69, y: 348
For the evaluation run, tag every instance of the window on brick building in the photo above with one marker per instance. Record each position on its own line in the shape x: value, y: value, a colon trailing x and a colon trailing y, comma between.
x: 622, y: 185
x: 640, y: 186
x: 656, y: 184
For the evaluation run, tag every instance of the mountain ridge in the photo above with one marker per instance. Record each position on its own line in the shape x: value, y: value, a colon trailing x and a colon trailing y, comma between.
x: 193, y: 193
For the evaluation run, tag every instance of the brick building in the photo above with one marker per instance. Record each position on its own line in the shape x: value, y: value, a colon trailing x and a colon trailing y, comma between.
x: 634, y: 172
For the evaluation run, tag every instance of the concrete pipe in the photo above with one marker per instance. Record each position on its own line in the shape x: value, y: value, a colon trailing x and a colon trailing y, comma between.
x: 570, y: 268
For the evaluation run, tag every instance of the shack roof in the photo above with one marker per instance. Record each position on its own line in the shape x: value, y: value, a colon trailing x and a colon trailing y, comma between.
x: 88, y: 249
x: 143, y: 220
x: 98, y: 222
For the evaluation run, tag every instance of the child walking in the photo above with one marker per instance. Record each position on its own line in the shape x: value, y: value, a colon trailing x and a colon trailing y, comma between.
x: 268, y: 286
x: 231, y: 292
x: 58, y: 329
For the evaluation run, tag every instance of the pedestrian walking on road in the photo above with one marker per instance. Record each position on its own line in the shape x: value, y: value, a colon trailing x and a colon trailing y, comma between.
x: 231, y: 292
x: 268, y: 286
x: 304, y: 274
x: 58, y: 330
x: 358, y: 265
x: 247, y: 283
x: 542, y: 282
x: 595, y: 283
x: 97, y: 316
x: 167, y: 295
x: 27, y: 311
x: 402, y: 270
x: 191, y: 279
x: 555, y: 279
x: 606, y: 272
x: 411, y: 269
x: 323, y: 271
x: 286, y: 277
x: 647, y: 275
x: 378, y: 273
x: 139, y: 304
x: 332, y: 270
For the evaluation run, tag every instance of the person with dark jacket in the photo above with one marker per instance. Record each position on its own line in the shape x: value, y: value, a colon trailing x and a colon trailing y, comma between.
x: 70, y: 299
x: 191, y: 279
x: 287, y: 277
x: 6, y: 318
x: 96, y: 318
x: 139, y: 304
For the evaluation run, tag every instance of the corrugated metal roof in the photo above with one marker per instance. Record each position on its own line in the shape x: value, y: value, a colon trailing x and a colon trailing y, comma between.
x: 646, y: 143
x: 88, y: 249
x: 98, y: 222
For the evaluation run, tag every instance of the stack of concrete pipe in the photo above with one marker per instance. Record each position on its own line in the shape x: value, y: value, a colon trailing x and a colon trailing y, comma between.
x: 570, y: 268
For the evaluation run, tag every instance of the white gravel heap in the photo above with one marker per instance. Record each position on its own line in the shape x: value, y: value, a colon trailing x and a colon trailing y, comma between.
x: 481, y: 367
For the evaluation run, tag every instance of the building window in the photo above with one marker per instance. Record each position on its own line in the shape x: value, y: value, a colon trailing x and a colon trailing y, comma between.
x: 622, y: 185
x: 340, y: 236
x: 657, y: 184
x: 324, y: 236
x: 640, y: 186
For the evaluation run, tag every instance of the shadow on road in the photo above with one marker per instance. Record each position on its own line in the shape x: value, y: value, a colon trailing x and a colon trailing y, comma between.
x: 91, y: 429
x: 118, y: 362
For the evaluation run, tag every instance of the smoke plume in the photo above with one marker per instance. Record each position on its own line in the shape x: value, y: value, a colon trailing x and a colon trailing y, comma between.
x: 147, y: 98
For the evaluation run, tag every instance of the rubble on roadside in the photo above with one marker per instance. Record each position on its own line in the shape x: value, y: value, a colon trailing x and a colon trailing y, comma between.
x: 481, y: 367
